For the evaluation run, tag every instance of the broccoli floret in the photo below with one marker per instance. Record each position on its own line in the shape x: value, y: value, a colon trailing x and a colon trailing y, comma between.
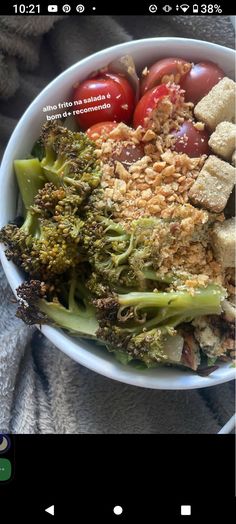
x: 138, y: 323
x: 96, y: 286
x: 60, y: 206
x: 70, y: 159
x: 117, y: 254
x: 124, y: 255
x: 77, y: 316
x: 47, y: 242
x: 30, y: 180
x: 159, y: 308
x: 108, y: 246
x: 148, y: 346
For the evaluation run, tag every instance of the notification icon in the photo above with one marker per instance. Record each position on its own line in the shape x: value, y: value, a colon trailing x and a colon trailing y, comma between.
x: 80, y: 8
x: 5, y: 469
x: 4, y: 443
x: 52, y: 8
x: 153, y: 8
x: 66, y: 8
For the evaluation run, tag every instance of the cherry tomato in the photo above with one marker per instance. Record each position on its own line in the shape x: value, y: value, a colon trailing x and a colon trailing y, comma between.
x: 129, y: 154
x: 112, y: 92
x: 200, y: 80
x: 191, y: 141
x: 102, y: 128
x: 166, y: 66
x: 147, y: 103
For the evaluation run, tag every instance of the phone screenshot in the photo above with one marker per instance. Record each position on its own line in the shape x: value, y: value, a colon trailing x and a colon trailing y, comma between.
x: 117, y: 262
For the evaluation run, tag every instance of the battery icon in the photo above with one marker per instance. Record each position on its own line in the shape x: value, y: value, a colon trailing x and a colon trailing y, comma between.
x: 195, y: 8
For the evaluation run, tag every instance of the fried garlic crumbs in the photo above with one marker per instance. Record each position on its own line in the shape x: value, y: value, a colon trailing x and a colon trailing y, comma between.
x: 145, y: 71
x: 200, y: 126
x: 158, y: 185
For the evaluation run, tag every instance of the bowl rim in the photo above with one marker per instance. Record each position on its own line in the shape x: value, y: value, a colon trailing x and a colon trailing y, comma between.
x: 114, y: 371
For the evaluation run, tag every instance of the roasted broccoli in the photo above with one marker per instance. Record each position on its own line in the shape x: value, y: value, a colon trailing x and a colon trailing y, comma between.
x: 70, y: 159
x: 76, y: 315
x: 158, y: 308
x: 147, y: 346
x: 138, y: 323
x: 127, y: 256
x: 47, y: 242
x: 107, y: 247
x: 122, y: 282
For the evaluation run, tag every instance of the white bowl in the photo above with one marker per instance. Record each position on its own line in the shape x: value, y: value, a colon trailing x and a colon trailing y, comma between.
x: 144, y: 52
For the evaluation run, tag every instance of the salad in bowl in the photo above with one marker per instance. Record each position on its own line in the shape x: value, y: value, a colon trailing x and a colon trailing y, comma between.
x: 125, y: 230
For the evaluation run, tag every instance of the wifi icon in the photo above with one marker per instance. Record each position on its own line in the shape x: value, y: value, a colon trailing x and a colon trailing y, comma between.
x: 184, y: 7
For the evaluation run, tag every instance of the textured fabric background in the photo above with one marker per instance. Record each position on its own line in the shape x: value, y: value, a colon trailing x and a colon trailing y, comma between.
x: 42, y: 390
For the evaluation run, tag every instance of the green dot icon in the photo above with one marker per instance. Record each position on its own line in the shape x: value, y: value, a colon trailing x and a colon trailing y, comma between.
x: 5, y: 469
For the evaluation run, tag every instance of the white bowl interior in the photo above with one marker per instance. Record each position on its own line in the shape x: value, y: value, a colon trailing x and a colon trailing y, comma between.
x: 144, y: 52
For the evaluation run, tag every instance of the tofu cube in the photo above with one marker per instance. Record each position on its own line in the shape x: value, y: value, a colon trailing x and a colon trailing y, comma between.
x: 213, y: 185
x: 223, y: 242
x: 233, y: 160
x: 218, y: 105
x: 223, y: 140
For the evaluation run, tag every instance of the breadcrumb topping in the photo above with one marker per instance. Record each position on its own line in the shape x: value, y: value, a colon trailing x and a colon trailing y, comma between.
x: 157, y: 185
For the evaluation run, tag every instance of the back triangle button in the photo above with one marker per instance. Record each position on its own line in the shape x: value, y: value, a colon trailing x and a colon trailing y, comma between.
x: 50, y: 510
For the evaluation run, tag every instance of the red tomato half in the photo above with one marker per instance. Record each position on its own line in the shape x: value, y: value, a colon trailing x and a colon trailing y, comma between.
x: 147, y: 103
x: 166, y: 66
x: 102, y: 128
x: 200, y: 80
x: 191, y: 141
x: 103, y: 98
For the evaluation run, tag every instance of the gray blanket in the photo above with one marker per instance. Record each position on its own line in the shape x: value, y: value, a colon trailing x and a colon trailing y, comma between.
x: 42, y: 390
